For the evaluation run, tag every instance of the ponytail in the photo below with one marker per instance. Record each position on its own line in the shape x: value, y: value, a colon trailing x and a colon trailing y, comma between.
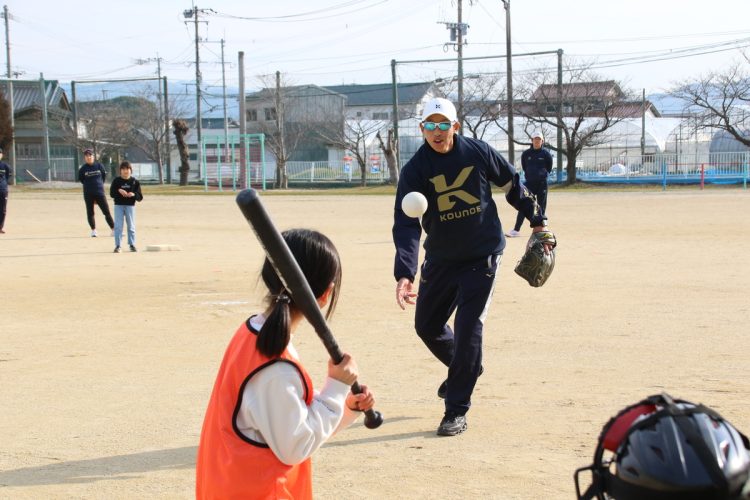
x: 276, y: 332
x: 320, y: 264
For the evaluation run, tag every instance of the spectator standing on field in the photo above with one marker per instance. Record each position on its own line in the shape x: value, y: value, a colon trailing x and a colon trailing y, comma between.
x: 537, y: 165
x: 92, y: 175
x: 5, y: 173
x: 463, y: 247
x: 125, y: 190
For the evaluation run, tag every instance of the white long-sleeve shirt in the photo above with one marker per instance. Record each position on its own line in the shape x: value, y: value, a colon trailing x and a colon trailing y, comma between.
x: 273, y: 410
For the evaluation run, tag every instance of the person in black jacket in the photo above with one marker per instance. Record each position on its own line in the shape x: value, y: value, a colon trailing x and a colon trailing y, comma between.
x: 92, y: 175
x: 5, y: 173
x: 462, y: 249
x: 125, y: 190
x: 537, y: 165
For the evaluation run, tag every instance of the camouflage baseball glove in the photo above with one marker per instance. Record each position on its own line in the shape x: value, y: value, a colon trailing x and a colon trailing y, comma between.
x: 536, y: 266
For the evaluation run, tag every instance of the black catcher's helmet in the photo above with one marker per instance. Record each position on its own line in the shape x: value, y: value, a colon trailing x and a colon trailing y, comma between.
x: 661, y: 448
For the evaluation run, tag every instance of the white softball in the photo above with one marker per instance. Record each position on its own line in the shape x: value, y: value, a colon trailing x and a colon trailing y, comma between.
x: 414, y: 204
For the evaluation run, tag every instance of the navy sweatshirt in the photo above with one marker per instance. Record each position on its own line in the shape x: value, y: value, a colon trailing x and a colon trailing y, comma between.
x: 92, y: 177
x: 130, y: 185
x: 537, y: 164
x: 461, y: 221
x: 5, y: 173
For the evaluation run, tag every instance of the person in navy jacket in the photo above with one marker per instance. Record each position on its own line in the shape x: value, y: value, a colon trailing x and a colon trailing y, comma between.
x: 537, y: 165
x: 463, y: 246
x: 92, y: 175
x: 5, y: 173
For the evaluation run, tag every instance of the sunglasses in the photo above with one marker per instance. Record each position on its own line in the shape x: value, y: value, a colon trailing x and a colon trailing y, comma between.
x: 430, y: 126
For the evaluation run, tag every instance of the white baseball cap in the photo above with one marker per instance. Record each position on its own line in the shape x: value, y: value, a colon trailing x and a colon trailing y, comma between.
x: 536, y: 134
x: 440, y: 106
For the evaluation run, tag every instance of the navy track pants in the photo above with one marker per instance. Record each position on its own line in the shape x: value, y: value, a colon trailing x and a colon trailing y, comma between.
x: 465, y: 288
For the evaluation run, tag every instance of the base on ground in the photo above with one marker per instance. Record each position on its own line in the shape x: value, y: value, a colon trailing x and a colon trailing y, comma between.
x: 163, y: 248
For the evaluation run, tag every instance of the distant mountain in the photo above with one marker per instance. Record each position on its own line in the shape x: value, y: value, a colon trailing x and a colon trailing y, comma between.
x: 212, y: 103
x: 181, y: 92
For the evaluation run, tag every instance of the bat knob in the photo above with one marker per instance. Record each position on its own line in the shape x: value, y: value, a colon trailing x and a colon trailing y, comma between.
x: 373, y: 419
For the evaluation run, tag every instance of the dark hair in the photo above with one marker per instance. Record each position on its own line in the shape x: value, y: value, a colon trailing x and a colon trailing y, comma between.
x: 321, y: 266
x: 126, y: 164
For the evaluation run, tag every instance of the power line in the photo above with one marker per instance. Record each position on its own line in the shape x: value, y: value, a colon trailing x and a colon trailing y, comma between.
x: 293, y: 17
x: 637, y: 39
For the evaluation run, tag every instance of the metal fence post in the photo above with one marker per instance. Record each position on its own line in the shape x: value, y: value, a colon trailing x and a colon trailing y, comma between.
x: 263, y: 159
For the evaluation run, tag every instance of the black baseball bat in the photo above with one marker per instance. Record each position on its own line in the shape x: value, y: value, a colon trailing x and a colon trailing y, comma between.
x: 286, y: 267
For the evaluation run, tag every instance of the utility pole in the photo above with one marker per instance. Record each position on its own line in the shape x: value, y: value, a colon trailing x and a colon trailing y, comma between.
x: 244, y: 181
x: 458, y: 31
x: 394, y: 93
x: 281, y: 175
x: 12, y: 148
x: 224, y: 87
x: 45, y: 121
x: 509, y: 68
x: 194, y: 13
x: 643, y: 125
x: 76, y: 145
x: 168, y: 147
x: 460, y: 40
x: 559, y: 115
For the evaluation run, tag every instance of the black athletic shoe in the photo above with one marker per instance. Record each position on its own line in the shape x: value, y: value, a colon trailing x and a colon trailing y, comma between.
x: 133, y: 249
x: 444, y: 386
x: 452, y: 424
x: 117, y: 250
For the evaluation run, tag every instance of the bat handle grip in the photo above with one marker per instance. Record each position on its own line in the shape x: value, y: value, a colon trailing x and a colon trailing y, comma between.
x: 373, y: 418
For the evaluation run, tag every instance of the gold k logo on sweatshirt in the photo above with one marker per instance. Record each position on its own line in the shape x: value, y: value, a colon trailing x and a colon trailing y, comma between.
x: 447, y: 192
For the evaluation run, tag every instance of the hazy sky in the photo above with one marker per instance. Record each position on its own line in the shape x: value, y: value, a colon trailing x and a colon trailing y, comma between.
x: 645, y: 44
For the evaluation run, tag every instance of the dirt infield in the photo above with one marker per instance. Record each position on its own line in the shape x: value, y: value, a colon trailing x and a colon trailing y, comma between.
x: 107, y: 360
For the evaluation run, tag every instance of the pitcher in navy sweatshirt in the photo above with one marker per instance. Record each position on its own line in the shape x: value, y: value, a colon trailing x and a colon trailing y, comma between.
x: 92, y: 175
x: 462, y: 249
x: 125, y: 190
x: 5, y: 173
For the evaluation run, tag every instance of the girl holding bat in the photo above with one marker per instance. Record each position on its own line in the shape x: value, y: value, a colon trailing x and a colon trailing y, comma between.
x: 264, y: 420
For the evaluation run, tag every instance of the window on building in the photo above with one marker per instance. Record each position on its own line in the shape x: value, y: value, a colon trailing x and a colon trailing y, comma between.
x: 551, y: 108
x: 29, y: 151
x: 359, y: 114
x: 252, y: 115
x: 380, y: 116
x: 270, y: 113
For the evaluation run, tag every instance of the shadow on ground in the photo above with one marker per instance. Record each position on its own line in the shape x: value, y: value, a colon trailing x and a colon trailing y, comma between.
x: 97, y: 469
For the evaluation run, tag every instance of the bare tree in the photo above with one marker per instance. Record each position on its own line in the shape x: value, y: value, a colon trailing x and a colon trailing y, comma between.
x: 590, y: 106
x: 354, y: 137
x: 109, y: 126
x: 719, y: 100
x: 484, y: 95
x: 390, y: 150
x: 180, y: 128
x: 150, y: 134
x: 6, y: 131
x: 283, y: 134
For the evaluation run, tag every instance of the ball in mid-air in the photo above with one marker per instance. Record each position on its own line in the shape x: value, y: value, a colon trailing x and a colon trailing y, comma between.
x: 414, y: 204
